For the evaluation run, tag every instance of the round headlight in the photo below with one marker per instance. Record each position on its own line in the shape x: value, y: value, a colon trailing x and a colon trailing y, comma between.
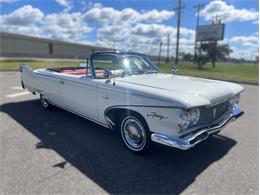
x: 231, y: 102
x: 184, y: 120
x: 234, y: 101
x: 194, y: 116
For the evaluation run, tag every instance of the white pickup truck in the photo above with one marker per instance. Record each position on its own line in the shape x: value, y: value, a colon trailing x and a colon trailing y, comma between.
x: 127, y: 92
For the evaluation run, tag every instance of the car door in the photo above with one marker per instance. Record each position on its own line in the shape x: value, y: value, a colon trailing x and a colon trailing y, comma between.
x: 79, y: 95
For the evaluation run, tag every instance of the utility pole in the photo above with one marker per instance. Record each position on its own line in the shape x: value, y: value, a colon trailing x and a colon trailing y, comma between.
x: 168, y: 47
x: 198, y: 7
x: 160, y: 48
x: 215, y: 43
x: 178, y: 10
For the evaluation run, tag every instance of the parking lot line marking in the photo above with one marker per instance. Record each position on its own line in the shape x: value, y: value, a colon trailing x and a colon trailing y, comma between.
x: 18, y: 94
x: 17, y: 88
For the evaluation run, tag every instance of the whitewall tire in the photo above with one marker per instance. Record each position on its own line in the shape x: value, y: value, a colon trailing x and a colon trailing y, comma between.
x: 135, y: 134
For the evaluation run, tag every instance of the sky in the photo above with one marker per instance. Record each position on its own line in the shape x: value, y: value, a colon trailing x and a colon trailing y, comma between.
x: 133, y: 25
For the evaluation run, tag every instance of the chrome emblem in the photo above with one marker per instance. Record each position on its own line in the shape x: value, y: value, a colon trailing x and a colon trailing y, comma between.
x: 155, y: 115
x: 214, y: 112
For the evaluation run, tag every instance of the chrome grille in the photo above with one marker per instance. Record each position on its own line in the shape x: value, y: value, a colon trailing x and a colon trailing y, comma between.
x: 209, y: 115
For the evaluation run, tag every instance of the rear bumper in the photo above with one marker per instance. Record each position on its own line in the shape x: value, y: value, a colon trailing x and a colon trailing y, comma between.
x: 194, y: 139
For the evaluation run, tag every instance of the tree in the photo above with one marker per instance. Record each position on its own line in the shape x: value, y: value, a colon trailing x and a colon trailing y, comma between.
x: 201, y: 60
x: 188, y: 57
x: 214, y: 51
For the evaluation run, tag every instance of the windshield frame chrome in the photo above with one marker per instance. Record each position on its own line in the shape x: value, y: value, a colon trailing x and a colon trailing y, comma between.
x: 138, y: 55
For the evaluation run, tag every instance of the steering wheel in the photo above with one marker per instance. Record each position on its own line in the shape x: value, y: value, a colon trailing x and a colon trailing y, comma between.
x: 107, y: 71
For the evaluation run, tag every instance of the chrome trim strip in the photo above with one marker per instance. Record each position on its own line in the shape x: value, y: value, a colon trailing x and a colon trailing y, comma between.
x: 140, y: 95
x: 147, y: 106
x: 65, y: 79
x: 187, y: 143
x: 108, y: 120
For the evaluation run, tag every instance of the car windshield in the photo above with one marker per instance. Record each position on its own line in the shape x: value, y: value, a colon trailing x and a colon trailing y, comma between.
x: 118, y: 65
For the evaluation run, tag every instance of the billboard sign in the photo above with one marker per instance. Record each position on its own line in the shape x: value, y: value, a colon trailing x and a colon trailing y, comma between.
x: 213, y: 32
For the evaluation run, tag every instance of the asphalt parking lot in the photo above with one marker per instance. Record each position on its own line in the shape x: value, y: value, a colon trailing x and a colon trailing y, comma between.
x: 58, y: 152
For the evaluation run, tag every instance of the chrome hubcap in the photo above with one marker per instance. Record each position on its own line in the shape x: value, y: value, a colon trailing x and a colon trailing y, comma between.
x: 133, y: 133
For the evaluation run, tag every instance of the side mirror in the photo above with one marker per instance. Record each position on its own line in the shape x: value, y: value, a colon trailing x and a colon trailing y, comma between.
x: 174, y: 70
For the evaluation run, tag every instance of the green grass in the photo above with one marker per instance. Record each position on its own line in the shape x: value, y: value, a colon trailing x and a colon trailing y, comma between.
x: 14, y: 64
x: 239, y: 72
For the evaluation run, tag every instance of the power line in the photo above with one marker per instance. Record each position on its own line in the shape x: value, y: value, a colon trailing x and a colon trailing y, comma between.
x: 178, y: 9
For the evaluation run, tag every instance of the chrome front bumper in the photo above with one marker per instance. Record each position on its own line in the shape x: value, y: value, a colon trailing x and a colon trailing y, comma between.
x: 192, y: 140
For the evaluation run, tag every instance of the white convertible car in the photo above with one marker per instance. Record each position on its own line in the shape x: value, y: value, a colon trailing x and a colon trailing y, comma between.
x: 128, y: 92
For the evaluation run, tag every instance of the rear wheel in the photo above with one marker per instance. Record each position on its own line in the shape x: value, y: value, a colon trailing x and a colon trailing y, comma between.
x: 44, y: 101
x: 135, y: 133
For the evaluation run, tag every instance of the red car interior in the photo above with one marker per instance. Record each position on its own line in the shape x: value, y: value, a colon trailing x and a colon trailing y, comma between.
x: 79, y: 71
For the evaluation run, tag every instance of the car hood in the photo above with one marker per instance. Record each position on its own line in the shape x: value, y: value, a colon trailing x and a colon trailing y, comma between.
x: 190, y: 91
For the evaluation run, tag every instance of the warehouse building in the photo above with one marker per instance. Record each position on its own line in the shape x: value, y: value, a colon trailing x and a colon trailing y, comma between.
x: 14, y: 45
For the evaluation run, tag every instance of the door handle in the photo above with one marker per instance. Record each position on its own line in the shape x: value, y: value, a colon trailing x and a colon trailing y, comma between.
x: 62, y: 82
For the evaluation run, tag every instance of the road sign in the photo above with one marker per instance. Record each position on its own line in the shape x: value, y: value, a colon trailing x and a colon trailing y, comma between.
x: 213, y: 32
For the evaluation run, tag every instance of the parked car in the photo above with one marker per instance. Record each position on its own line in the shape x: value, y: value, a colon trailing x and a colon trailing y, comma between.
x: 128, y: 92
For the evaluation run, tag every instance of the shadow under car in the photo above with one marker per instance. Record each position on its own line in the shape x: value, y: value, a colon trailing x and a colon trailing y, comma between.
x: 100, y: 155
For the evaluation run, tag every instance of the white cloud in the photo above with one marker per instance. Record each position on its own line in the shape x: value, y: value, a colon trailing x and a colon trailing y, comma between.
x: 64, y: 3
x: 66, y: 26
x: 246, y: 41
x: 156, y: 16
x: 129, y: 29
x: 32, y: 21
x: 228, y: 12
x: 152, y: 30
x: 144, y: 37
x: 120, y: 26
x: 26, y: 15
x: 109, y: 15
x: 24, y: 20
x: 248, y: 54
x: 239, y: 39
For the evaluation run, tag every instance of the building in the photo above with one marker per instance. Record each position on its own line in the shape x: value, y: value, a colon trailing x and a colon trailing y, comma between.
x: 14, y: 45
x: 21, y: 46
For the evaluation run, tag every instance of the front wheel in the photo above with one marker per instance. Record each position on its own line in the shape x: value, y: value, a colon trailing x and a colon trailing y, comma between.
x: 135, y: 134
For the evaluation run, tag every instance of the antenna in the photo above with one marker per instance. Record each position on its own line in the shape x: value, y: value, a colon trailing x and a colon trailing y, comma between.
x: 160, y: 48
x: 114, y: 79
